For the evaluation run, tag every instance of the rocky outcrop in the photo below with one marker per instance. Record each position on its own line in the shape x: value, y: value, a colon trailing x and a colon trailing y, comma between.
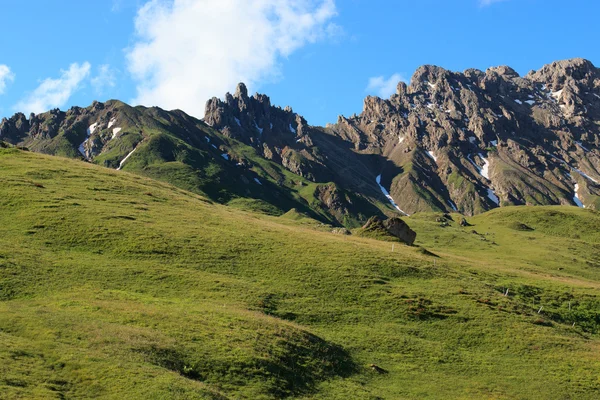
x: 477, y: 140
x: 398, y: 228
x: 394, y: 227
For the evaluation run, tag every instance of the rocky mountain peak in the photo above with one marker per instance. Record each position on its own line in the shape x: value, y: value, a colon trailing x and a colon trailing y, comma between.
x: 561, y: 73
x: 241, y: 91
x: 503, y: 70
x: 467, y: 141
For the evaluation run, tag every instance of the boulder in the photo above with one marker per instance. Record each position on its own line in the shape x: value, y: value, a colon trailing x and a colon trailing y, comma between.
x: 394, y: 227
x: 400, y: 229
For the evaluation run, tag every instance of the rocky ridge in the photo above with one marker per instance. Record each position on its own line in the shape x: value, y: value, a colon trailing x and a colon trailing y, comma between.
x: 447, y: 141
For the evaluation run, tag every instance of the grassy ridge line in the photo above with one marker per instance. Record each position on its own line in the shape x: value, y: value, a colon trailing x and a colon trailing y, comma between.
x: 114, y: 285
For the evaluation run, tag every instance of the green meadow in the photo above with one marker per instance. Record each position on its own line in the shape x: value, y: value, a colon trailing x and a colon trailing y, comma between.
x: 117, y: 286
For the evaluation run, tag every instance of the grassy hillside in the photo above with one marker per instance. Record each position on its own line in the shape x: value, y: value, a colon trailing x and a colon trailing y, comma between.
x: 113, y: 285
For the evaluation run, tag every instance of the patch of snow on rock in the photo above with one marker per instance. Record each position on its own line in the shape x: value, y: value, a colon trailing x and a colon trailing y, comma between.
x: 557, y: 94
x: 451, y: 204
x: 492, y: 196
x: 225, y: 156
x: 387, y: 194
x: 576, y: 198
x: 485, y: 170
x: 292, y: 129
x: 530, y: 102
x: 260, y: 130
x: 90, y: 131
x: 237, y: 121
x: 582, y: 146
x: 92, y: 128
x: 112, y: 122
x: 116, y: 132
x: 82, y: 149
x: 257, y: 181
x: 430, y: 153
x: 518, y: 101
x: 125, y: 159
x: 585, y: 175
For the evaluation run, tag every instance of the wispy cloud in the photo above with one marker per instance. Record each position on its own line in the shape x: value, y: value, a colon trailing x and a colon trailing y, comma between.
x: 105, y: 78
x: 382, y: 87
x: 191, y: 50
x: 485, y: 3
x: 6, y: 76
x: 53, y: 93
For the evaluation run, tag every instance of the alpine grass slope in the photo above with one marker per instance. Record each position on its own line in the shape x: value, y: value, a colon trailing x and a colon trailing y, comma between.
x: 115, y: 285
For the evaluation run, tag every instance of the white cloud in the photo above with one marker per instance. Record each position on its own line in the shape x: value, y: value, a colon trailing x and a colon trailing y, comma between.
x: 53, y: 93
x: 382, y: 87
x: 106, y: 78
x: 6, y: 75
x: 191, y: 50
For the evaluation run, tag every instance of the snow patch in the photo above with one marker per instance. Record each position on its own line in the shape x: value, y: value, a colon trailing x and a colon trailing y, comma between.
x: 598, y: 96
x: 485, y: 170
x: 401, y: 139
x: 92, y: 128
x: 518, y: 101
x: 225, y: 156
x: 451, y: 204
x: 260, y: 130
x: 494, y: 143
x: 207, y: 139
x: 125, y: 159
x: 82, y: 148
x: 116, y: 132
x: 214, y: 146
x: 90, y: 131
x: 574, y: 169
x: 530, y: 102
x: 582, y: 146
x: 585, y: 175
x: 576, y: 198
x: 112, y: 122
x: 430, y: 153
x: 492, y: 196
x: 431, y: 85
x: 292, y: 129
x: 557, y: 94
x: 387, y: 194
x: 472, y: 139
x: 257, y: 181
x: 237, y: 121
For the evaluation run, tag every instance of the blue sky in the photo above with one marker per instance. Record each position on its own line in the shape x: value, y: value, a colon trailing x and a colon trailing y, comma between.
x: 322, y: 57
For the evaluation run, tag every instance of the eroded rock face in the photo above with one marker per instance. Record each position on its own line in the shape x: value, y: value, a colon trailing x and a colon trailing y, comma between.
x: 477, y: 140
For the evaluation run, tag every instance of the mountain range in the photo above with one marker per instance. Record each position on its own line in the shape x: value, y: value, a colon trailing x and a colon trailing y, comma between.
x: 448, y: 141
